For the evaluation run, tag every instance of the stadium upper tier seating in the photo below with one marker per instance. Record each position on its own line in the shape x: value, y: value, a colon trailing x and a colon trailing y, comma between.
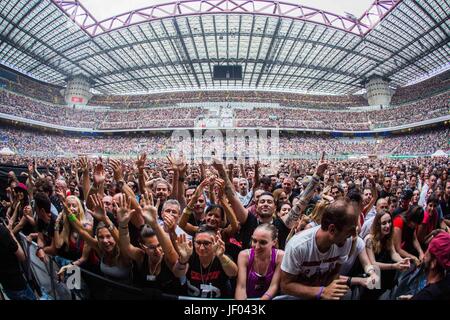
x: 167, y: 117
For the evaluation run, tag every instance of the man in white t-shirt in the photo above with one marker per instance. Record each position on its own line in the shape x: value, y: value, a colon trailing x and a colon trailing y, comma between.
x: 310, y: 267
x: 243, y: 194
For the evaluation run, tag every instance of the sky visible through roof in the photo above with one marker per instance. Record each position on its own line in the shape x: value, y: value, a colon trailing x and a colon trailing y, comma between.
x: 103, y: 9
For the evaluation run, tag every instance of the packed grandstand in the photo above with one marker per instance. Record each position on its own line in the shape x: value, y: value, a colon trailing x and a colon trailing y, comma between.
x: 350, y: 201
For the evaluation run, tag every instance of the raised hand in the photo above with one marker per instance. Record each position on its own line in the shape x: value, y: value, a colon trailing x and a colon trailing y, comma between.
x: 99, y: 174
x: 124, y: 211
x: 182, y: 167
x: 203, y: 184
x: 99, y: 211
x: 83, y: 164
x: 116, y: 167
x: 172, y: 162
x: 218, y: 245
x: 66, y: 208
x: 220, y: 183
x: 150, y: 212
x: 185, y: 248
x: 140, y: 162
x: 218, y: 165
x: 61, y: 195
x: 178, y: 164
x: 322, y: 166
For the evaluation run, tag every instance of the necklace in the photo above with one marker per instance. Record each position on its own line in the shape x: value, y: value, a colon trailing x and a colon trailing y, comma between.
x: 153, y: 273
x: 209, y: 269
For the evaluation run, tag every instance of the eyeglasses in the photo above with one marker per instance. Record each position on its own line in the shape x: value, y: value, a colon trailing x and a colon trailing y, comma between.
x: 206, y: 244
x: 151, y: 247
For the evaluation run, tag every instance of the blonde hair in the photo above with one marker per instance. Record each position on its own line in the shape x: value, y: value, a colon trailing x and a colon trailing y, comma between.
x: 67, y: 228
x: 319, y: 208
x: 276, y: 194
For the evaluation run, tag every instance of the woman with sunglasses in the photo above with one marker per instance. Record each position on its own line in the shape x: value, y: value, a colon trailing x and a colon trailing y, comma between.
x: 156, y: 257
x: 206, y: 266
x: 259, y: 267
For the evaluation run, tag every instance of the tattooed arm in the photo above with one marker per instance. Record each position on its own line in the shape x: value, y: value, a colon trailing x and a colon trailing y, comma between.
x: 236, y: 205
x: 296, y: 211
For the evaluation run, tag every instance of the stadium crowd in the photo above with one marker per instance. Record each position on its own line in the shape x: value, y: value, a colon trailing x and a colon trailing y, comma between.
x: 423, y: 89
x: 428, y: 108
x: 364, y: 229
x: 34, y: 142
x: 52, y: 94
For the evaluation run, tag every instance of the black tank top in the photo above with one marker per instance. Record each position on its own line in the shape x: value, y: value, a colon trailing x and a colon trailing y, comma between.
x: 164, y: 281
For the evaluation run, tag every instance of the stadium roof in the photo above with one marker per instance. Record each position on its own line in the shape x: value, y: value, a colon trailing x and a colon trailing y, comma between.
x: 173, y: 46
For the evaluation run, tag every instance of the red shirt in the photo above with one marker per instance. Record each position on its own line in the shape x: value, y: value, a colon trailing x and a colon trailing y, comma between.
x: 407, y: 232
x: 430, y: 221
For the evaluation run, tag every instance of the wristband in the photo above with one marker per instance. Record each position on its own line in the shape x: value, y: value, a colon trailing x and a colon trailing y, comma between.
x: 72, y: 217
x: 349, y: 281
x: 318, y: 296
x: 266, y: 294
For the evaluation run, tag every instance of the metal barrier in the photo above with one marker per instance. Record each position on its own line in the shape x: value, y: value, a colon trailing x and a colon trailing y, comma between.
x: 82, y: 284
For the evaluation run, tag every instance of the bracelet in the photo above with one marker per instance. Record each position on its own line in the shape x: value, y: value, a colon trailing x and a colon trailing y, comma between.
x: 349, y: 281
x: 227, y: 262
x: 319, y: 295
x: 266, y: 294
x: 72, y: 217
x: 123, y: 227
